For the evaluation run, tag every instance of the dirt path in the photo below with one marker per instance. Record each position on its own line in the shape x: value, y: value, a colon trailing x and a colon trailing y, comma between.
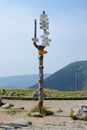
x: 57, y: 118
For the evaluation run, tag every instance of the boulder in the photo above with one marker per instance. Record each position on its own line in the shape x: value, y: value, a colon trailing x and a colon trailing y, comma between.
x: 12, y: 94
x: 3, y: 91
x: 79, y: 113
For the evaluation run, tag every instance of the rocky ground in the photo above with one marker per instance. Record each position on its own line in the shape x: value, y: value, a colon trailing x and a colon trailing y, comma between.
x: 58, y: 121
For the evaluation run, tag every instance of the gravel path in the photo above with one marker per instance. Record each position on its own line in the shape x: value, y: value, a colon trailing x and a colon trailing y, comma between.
x: 58, y: 121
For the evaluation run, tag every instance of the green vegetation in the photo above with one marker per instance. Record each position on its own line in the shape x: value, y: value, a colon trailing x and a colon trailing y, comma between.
x: 26, y: 94
x: 65, y: 78
x: 16, y: 93
x: 55, y: 94
x: 35, y: 110
x: 13, y: 111
x: 72, y: 115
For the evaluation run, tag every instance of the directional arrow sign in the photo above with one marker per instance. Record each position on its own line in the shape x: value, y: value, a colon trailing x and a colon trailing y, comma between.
x: 41, y: 52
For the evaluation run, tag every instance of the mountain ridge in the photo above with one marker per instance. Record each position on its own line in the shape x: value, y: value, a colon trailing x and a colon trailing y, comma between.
x: 65, y: 78
x: 19, y: 81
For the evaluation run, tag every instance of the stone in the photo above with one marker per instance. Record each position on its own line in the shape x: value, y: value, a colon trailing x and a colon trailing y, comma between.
x: 16, y: 107
x: 59, y: 110
x: 7, y: 106
x: 36, y: 93
x: 53, y: 95
x: 12, y: 94
x: 36, y: 114
x: 55, y: 110
x: 19, y: 123
x: 3, y: 91
x: 6, y: 127
x: 80, y: 113
x: 1, y: 103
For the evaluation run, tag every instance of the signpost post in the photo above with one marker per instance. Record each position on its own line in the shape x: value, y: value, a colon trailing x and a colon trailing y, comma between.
x: 44, y: 25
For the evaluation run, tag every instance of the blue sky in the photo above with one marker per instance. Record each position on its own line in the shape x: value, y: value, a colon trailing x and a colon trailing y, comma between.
x: 68, y: 31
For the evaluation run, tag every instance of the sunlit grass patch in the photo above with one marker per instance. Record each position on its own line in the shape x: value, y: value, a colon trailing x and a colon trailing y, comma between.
x: 13, y: 111
x: 35, y: 112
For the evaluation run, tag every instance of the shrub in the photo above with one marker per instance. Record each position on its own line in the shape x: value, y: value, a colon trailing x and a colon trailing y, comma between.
x: 46, y: 111
x: 72, y: 115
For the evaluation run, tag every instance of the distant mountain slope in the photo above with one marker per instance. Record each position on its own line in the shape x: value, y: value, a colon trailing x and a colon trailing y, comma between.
x: 21, y: 81
x: 65, y: 79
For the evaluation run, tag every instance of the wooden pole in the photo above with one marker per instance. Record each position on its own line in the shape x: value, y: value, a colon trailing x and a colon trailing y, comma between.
x: 40, y: 83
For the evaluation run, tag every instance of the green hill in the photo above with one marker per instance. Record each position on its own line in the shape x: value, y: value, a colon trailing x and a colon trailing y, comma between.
x: 65, y: 79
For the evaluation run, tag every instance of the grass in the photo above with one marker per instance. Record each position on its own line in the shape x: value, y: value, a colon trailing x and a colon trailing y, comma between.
x: 26, y: 94
x: 46, y: 112
x: 13, y: 111
x: 72, y: 115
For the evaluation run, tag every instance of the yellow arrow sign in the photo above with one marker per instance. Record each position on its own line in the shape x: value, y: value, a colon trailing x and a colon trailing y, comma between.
x: 41, y: 52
